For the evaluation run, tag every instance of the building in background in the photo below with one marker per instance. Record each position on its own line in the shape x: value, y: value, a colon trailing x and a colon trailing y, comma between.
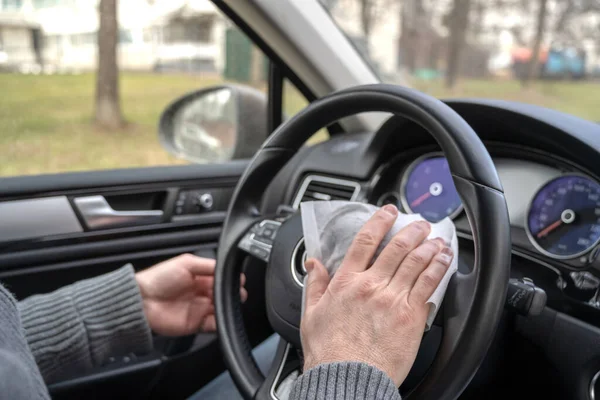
x: 20, y: 36
x: 60, y: 35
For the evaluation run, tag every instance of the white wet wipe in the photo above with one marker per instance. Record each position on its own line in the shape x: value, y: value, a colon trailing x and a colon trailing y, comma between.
x: 330, y: 226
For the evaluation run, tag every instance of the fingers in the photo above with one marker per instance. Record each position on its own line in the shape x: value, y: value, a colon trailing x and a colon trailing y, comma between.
x: 316, y: 283
x: 367, y: 240
x: 205, y: 286
x: 198, y: 265
x: 414, y: 264
x: 431, y: 277
x: 403, y: 242
x: 209, y: 324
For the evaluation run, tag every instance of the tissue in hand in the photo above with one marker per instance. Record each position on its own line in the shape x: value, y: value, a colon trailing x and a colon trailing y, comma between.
x: 330, y: 226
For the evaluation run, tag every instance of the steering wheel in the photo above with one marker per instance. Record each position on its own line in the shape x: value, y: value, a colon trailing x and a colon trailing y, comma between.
x: 474, y: 301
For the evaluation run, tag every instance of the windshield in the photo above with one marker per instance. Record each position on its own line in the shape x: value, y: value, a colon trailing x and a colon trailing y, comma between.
x: 544, y: 52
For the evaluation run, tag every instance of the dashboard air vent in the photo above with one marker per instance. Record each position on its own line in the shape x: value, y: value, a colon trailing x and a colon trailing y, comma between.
x: 316, y: 187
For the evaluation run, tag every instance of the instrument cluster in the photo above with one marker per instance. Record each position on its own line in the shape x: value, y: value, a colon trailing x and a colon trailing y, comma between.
x: 561, y: 219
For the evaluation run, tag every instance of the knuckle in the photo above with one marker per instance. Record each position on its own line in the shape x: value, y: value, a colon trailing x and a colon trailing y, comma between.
x: 366, y: 288
x: 422, y: 227
x: 365, y: 239
x: 311, y: 284
x: 381, y: 215
x: 341, y: 279
x: 186, y: 257
x: 416, y: 258
x: 386, y: 299
x: 405, y: 317
x: 401, y: 244
x: 430, y: 279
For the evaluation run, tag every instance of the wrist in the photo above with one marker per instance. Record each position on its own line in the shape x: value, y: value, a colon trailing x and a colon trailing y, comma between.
x: 142, y: 283
x: 143, y: 287
x: 375, y: 362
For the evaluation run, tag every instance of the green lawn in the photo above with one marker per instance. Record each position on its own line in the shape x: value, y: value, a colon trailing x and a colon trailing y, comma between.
x: 577, y: 98
x: 46, y: 124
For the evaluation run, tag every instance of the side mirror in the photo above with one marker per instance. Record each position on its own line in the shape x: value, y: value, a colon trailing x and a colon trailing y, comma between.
x: 215, y: 124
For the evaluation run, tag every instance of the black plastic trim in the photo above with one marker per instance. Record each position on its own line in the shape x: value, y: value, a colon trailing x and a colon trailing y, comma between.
x: 214, y: 175
x: 275, y: 98
x: 119, y: 258
x: 117, y: 246
x: 273, y: 56
x: 70, y: 384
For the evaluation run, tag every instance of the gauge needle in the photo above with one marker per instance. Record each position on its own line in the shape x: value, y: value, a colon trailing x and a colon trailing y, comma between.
x: 549, y: 228
x: 420, y: 199
x: 567, y: 217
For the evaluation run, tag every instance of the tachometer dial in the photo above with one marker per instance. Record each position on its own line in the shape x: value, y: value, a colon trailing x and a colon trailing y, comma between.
x: 564, y: 217
x: 428, y: 189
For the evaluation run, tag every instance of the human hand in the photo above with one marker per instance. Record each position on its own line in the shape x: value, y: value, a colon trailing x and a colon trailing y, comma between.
x: 177, y: 295
x: 375, y: 314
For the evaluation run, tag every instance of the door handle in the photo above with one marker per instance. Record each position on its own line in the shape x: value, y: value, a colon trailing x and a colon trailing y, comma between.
x: 98, y: 214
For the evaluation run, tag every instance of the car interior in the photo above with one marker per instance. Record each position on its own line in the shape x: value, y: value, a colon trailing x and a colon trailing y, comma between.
x: 521, y: 319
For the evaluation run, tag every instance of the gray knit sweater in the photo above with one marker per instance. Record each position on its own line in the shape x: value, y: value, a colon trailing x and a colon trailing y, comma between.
x: 46, y: 337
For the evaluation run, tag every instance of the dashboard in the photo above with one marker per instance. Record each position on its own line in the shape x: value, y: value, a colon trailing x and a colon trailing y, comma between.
x: 547, y: 162
x: 549, y: 166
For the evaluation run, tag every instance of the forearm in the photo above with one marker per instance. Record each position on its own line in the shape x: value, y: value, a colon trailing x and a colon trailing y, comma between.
x: 344, y: 381
x: 19, y: 375
x: 81, y: 325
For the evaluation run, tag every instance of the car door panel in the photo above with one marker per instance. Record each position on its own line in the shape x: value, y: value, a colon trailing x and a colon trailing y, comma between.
x: 49, y: 240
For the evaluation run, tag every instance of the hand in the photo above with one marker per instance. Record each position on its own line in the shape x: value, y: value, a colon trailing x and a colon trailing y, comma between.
x: 177, y: 295
x: 375, y: 314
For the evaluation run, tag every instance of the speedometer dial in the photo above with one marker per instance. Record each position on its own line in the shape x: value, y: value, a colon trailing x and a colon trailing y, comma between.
x: 564, y: 217
x: 428, y: 189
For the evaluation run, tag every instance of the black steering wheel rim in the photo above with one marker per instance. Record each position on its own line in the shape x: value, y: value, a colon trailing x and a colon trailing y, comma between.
x: 476, y: 300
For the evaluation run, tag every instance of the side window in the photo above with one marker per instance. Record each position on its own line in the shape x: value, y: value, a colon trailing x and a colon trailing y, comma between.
x: 293, y: 102
x: 59, y: 112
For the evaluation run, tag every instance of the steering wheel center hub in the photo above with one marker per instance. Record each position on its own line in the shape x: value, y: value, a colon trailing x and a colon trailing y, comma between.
x: 285, y: 279
x: 298, y: 267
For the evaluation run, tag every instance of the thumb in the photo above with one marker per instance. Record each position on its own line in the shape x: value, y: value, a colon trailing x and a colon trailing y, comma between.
x: 316, y: 282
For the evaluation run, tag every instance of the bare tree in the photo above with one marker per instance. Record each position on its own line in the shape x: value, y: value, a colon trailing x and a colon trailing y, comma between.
x: 108, y: 108
x: 367, y: 15
x: 328, y: 4
x: 415, y: 25
x: 458, y: 24
x: 571, y: 24
x: 533, y: 67
x: 370, y: 11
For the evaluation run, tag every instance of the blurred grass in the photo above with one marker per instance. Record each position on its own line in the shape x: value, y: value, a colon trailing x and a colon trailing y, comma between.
x: 46, y: 121
x: 580, y: 98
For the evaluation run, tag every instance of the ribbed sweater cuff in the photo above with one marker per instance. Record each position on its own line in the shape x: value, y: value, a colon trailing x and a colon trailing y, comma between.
x: 81, y: 325
x: 19, y: 375
x: 344, y: 381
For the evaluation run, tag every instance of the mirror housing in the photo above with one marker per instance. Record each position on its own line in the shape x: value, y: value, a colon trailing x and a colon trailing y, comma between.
x: 215, y: 124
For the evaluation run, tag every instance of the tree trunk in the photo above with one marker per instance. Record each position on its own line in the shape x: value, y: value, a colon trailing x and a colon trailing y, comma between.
x: 458, y: 23
x: 533, y: 66
x: 366, y: 16
x: 108, y: 108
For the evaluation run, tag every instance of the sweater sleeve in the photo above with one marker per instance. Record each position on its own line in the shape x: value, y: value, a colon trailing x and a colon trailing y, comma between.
x: 19, y: 375
x: 344, y: 381
x: 81, y: 325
